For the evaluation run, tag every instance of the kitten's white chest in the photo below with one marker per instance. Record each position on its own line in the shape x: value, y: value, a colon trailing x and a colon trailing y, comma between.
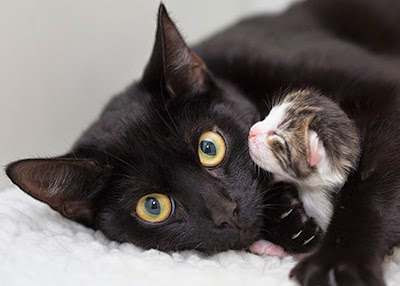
x: 318, y: 205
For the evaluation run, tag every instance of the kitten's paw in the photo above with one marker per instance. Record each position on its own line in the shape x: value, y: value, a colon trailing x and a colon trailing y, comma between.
x: 305, y: 238
x: 266, y: 248
x: 329, y: 268
x: 287, y: 224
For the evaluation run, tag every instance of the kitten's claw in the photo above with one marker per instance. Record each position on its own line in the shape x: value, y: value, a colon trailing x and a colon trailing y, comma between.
x: 266, y: 248
x: 308, y: 240
x: 285, y: 214
x: 296, y: 235
x: 287, y: 224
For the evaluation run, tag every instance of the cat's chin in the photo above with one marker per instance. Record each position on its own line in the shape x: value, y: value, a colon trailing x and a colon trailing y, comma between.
x: 244, y: 242
x: 239, y: 242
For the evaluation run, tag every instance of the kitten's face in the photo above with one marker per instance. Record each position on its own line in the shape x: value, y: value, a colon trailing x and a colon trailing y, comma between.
x: 306, y: 138
x: 279, y: 143
x: 173, y: 173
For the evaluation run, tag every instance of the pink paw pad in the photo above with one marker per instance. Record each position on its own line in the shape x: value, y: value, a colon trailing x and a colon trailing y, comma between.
x: 266, y: 248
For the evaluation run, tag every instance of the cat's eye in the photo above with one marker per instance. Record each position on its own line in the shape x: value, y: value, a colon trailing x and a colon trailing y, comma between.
x: 211, y: 149
x: 155, y: 207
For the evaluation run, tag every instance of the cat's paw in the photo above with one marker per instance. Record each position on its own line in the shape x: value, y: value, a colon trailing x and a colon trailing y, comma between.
x: 330, y: 268
x: 267, y: 248
x: 287, y: 224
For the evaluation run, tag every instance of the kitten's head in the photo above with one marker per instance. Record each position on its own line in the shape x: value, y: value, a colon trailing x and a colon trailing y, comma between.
x: 306, y: 137
x: 166, y: 166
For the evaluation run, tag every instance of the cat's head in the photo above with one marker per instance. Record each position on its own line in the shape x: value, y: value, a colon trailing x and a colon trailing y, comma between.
x: 166, y: 166
x: 306, y: 138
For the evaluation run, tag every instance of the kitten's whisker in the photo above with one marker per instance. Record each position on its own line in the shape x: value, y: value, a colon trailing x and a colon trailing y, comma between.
x: 267, y: 104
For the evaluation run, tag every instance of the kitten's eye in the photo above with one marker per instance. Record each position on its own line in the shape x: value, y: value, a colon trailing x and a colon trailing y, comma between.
x: 155, y: 207
x: 211, y: 149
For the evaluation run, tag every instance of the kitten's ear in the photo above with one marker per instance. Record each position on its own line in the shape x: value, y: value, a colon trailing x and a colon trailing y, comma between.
x: 66, y: 185
x: 315, y: 148
x: 172, y: 65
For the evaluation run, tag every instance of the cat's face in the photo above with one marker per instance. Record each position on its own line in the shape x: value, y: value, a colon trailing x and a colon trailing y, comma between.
x: 173, y: 173
x: 211, y: 202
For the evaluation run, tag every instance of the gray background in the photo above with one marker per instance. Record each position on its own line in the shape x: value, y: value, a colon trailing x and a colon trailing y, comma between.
x: 54, y: 54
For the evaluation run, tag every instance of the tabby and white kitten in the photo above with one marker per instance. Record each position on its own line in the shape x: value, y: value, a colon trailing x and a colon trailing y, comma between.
x: 307, y: 139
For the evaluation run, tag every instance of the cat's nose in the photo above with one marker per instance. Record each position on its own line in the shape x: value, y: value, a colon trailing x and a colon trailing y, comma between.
x: 227, y: 216
x: 252, y: 134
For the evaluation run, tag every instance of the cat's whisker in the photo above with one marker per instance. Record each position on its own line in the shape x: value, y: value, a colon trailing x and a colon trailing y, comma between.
x: 270, y: 205
x: 265, y: 230
x: 198, y: 245
x: 182, y: 245
x: 115, y: 157
x: 266, y: 191
x: 169, y: 114
x: 163, y: 120
x: 159, y: 115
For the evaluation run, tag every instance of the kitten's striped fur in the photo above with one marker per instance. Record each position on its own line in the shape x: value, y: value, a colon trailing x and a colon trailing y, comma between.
x: 308, y: 140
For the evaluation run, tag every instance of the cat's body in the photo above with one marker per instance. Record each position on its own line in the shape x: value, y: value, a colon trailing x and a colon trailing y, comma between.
x: 307, y: 140
x: 350, y: 51
x: 154, y: 147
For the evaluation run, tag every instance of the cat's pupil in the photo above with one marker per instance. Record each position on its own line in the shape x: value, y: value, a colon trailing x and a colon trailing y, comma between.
x: 208, y: 148
x: 152, y: 205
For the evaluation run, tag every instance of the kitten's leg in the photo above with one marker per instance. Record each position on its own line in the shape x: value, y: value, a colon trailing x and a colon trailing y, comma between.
x: 286, y: 223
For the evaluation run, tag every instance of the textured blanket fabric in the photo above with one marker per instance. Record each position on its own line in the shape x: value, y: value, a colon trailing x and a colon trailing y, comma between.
x: 40, y: 247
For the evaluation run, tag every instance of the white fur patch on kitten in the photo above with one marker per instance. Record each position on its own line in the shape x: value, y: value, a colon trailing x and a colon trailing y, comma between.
x: 260, y: 153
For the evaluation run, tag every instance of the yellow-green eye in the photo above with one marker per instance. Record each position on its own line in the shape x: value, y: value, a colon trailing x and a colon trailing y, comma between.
x: 155, y: 207
x: 211, y: 149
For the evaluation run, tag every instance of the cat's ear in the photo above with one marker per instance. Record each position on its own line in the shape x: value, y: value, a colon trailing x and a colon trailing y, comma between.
x: 67, y: 185
x: 173, y: 66
x: 315, y: 148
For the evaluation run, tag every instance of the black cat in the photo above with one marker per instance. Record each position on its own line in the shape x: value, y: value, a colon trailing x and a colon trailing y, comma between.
x: 166, y: 165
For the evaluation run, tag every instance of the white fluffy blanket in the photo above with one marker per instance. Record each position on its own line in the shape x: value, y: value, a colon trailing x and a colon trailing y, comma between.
x: 40, y: 247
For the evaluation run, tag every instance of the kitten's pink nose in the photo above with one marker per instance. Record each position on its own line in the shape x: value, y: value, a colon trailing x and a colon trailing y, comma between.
x: 252, y: 134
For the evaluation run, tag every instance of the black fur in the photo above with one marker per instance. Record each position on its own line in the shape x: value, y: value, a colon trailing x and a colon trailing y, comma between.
x: 147, y: 136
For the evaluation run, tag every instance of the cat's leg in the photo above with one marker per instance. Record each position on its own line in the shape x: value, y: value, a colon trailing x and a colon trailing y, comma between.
x: 286, y: 225
x: 365, y: 226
